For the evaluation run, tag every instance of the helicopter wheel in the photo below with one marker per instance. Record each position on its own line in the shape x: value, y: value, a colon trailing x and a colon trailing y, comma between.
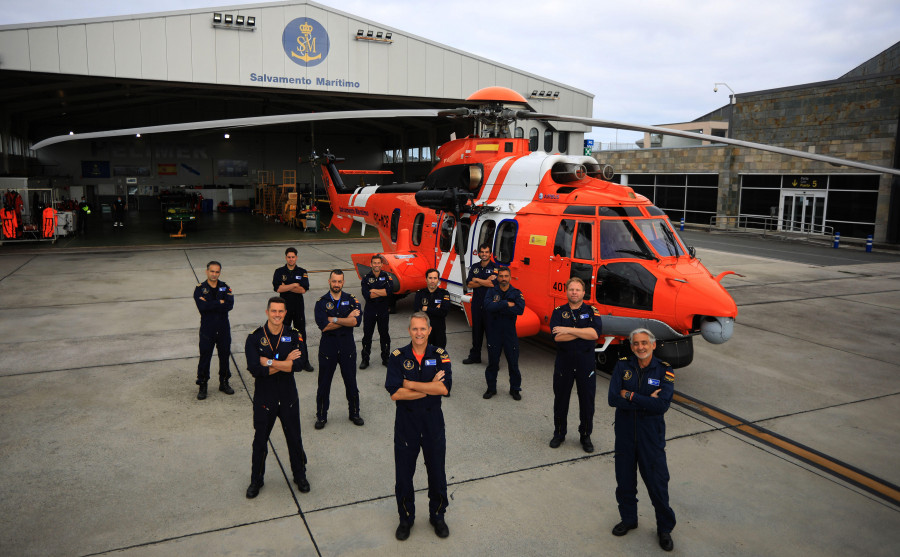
x: 607, y: 359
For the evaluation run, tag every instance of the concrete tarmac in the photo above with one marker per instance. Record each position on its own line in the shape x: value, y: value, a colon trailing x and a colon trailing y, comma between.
x: 104, y: 448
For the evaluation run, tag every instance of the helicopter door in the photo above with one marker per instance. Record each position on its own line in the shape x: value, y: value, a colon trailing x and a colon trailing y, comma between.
x: 573, y: 255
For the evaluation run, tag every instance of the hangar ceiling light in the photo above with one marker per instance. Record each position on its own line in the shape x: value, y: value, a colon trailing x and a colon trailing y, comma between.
x: 230, y: 21
x: 375, y: 36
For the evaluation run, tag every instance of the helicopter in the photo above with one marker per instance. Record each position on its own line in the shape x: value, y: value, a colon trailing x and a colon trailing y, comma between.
x: 548, y: 218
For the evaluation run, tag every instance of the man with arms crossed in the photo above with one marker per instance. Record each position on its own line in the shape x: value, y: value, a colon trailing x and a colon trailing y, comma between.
x: 418, y: 375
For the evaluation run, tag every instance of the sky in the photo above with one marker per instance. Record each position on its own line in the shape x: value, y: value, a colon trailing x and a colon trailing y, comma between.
x: 645, y: 61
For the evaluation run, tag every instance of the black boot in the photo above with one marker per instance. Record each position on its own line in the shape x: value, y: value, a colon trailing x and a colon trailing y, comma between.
x: 225, y: 387
x: 201, y: 395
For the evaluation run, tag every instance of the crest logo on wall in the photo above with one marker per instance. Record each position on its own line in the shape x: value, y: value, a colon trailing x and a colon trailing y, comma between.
x: 305, y: 42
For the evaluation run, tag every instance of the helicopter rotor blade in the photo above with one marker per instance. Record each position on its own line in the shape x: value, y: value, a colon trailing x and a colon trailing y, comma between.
x: 245, y: 122
x: 526, y: 115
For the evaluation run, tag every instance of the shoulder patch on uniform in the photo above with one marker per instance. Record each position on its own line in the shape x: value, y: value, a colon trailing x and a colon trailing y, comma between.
x: 440, y: 350
x: 396, y: 352
x: 670, y: 376
x: 596, y: 311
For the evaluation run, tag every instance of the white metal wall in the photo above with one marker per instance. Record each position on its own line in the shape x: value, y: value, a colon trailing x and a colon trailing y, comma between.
x: 184, y: 47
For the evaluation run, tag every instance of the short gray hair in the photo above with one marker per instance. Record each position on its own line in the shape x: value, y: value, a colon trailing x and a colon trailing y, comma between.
x: 420, y: 315
x: 650, y: 335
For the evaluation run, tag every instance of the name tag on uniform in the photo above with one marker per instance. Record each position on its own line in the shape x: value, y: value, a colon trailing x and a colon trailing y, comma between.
x: 430, y: 362
x: 654, y: 382
x: 221, y: 289
x: 437, y: 302
x: 298, y: 277
x: 285, y: 339
x: 345, y: 303
x: 583, y: 316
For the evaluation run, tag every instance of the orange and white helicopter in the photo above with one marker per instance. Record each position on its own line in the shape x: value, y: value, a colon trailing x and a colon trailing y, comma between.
x: 548, y: 217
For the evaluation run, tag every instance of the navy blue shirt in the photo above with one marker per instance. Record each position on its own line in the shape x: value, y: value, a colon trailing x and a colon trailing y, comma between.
x: 262, y: 342
x: 495, y: 303
x: 583, y: 317
x: 297, y: 275
x: 629, y: 375
x: 213, y: 312
x: 402, y: 364
x: 476, y: 271
x: 327, y: 307
x: 371, y: 282
x: 436, y: 303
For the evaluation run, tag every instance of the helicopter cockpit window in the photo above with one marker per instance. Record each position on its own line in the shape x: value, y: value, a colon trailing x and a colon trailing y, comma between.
x: 619, y: 240
x: 486, y: 234
x: 627, y: 285
x: 533, y: 139
x: 505, y: 243
x: 584, y: 242
x: 417, y: 229
x: 562, y: 247
x: 466, y: 224
x: 395, y: 224
x: 548, y: 141
x: 661, y: 237
x: 520, y: 132
x: 446, y: 239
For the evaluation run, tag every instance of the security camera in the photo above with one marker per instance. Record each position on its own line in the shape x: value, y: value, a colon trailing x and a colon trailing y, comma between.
x: 715, y: 89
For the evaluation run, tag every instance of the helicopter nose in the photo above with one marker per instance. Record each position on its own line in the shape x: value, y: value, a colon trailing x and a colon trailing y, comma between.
x: 705, y: 297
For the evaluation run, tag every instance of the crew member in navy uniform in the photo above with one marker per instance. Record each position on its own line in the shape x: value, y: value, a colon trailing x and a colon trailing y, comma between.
x: 377, y: 288
x: 214, y: 300
x: 641, y: 389
x: 274, y: 352
x: 502, y: 306
x: 575, y: 328
x: 482, y: 277
x: 292, y: 282
x: 337, y: 312
x: 418, y: 375
x: 435, y: 302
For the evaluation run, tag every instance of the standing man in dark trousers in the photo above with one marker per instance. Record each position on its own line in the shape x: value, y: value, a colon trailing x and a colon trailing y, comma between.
x: 434, y: 302
x: 377, y: 288
x: 292, y: 282
x: 337, y: 313
x: 274, y: 352
x: 641, y: 389
x: 119, y: 212
x: 214, y: 300
x: 418, y: 375
x: 503, y: 304
x: 482, y: 277
x: 575, y: 328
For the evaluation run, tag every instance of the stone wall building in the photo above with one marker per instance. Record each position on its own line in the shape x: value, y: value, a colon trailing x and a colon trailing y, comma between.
x: 853, y: 117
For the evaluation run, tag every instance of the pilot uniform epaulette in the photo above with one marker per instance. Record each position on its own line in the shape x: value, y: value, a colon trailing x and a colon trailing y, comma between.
x: 440, y: 350
x: 396, y: 352
x: 624, y: 358
x: 596, y: 311
x: 199, y: 283
x: 559, y: 307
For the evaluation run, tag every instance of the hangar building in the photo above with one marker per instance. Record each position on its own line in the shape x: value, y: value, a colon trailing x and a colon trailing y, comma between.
x: 252, y: 60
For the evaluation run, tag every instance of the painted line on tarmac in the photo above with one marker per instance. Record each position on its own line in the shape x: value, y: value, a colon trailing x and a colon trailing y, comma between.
x: 841, y: 470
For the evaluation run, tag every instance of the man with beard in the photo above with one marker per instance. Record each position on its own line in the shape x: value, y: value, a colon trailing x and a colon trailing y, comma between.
x: 337, y: 313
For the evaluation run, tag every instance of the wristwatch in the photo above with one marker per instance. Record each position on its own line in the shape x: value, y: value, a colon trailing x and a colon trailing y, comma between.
x: 269, y: 363
x: 334, y: 319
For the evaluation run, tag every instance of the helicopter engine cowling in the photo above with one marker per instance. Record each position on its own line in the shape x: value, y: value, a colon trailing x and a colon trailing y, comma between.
x: 717, y: 330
